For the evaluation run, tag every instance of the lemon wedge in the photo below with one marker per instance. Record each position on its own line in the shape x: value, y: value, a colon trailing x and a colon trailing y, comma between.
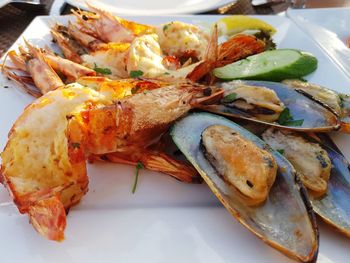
x: 237, y: 23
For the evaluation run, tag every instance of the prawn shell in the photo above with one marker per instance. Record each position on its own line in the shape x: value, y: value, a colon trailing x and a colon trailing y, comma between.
x: 334, y: 206
x: 316, y: 118
x: 292, y: 231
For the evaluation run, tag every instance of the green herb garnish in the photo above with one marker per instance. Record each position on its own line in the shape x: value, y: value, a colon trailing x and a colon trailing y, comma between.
x: 265, y: 36
x: 281, y: 151
x: 229, y: 98
x: 75, y: 145
x: 138, y: 167
x: 165, y: 27
x: 286, y: 119
x: 294, y: 123
x: 104, y: 71
x: 136, y: 73
x: 284, y: 116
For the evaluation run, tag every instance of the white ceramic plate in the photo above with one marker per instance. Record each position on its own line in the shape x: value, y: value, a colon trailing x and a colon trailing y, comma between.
x: 153, y: 7
x: 330, y: 28
x: 165, y: 220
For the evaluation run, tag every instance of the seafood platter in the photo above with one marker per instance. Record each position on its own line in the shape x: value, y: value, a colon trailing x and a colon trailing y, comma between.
x: 246, y: 115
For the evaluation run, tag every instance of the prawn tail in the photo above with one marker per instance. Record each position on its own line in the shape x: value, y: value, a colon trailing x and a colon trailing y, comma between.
x: 48, y: 217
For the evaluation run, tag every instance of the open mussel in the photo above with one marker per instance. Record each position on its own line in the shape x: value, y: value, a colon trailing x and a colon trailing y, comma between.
x: 279, y: 211
x: 275, y: 104
x: 337, y: 102
x: 323, y: 170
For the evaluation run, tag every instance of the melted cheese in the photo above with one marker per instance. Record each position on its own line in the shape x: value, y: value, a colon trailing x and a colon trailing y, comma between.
x: 176, y: 37
x: 112, y: 58
x: 36, y: 156
x: 145, y: 55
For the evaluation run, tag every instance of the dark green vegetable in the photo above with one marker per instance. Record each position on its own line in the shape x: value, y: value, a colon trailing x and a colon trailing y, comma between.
x: 273, y: 65
x: 267, y: 39
x: 286, y: 119
x: 281, y: 151
x: 136, y: 73
x: 229, y: 98
x: 104, y: 71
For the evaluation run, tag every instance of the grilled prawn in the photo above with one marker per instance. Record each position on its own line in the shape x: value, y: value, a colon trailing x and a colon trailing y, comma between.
x: 168, y: 51
x: 39, y: 67
x: 43, y: 163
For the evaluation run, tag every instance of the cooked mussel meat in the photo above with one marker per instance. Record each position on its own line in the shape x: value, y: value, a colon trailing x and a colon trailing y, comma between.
x: 311, y: 162
x: 240, y: 162
x: 260, y: 102
x: 316, y: 156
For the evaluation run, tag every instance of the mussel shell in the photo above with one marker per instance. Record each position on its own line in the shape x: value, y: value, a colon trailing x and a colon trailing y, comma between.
x: 334, y: 207
x: 316, y: 117
x: 285, y: 221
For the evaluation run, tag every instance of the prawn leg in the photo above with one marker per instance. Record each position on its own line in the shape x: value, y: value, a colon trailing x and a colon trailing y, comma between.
x: 155, y: 161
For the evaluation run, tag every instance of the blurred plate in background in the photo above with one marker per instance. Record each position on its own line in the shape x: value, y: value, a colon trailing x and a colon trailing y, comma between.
x: 153, y: 7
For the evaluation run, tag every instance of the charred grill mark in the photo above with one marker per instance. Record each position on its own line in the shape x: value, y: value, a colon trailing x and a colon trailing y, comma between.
x: 320, y: 158
x: 250, y: 184
x: 268, y: 161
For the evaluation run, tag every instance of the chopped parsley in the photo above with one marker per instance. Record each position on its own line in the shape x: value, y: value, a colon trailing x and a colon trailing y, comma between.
x: 229, y: 98
x: 165, y: 27
x: 265, y: 36
x: 294, y: 123
x: 138, y: 167
x: 281, y: 151
x: 136, y: 73
x: 104, y: 71
x: 286, y: 119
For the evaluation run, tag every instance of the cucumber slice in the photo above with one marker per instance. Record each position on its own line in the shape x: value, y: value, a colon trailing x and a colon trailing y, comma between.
x: 273, y: 65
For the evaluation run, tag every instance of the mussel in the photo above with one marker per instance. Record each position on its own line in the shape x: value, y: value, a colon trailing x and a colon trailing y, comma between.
x: 334, y: 207
x: 290, y: 110
x: 283, y: 219
x: 337, y: 102
x: 330, y: 190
